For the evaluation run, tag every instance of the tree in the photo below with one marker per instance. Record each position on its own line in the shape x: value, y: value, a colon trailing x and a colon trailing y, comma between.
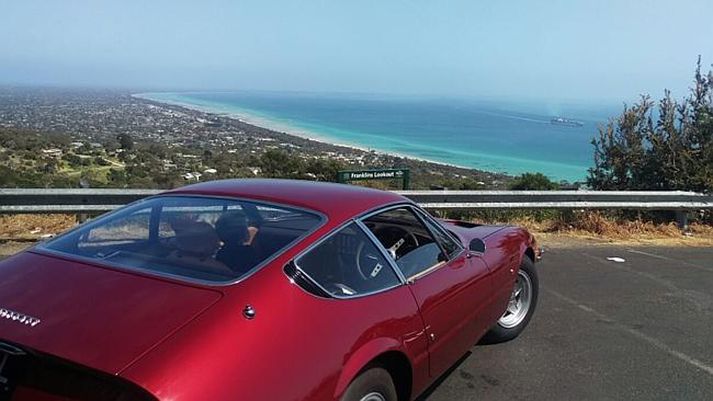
x: 116, y: 178
x: 207, y: 155
x: 533, y: 181
x: 126, y: 142
x: 279, y: 164
x: 620, y: 151
x: 159, y: 150
x: 673, y: 151
x: 324, y: 169
x: 73, y: 160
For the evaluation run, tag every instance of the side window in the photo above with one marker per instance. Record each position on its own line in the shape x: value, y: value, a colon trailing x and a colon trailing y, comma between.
x: 406, y: 239
x: 348, y: 264
x: 451, y: 247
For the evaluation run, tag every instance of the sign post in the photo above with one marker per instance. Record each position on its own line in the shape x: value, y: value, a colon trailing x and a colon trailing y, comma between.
x: 402, y: 174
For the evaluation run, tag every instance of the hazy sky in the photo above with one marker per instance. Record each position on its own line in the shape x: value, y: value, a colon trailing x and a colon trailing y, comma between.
x: 610, y: 49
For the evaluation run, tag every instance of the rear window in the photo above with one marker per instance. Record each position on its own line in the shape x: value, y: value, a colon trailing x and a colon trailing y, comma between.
x: 200, y: 238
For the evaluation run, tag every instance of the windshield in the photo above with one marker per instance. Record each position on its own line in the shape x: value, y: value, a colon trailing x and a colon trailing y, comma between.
x: 200, y: 238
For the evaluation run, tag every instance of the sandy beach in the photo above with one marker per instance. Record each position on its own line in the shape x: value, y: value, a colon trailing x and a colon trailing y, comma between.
x: 262, y: 122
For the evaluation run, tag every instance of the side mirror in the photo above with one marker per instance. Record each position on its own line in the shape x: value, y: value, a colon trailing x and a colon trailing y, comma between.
x: 46, y: 237
x: 476, y: 245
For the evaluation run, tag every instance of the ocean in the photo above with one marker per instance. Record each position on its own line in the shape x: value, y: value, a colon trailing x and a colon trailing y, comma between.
x: 511, y: 137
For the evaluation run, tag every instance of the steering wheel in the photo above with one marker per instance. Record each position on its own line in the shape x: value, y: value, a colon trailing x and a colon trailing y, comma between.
x: 398, y: 238
x: 368, y: 262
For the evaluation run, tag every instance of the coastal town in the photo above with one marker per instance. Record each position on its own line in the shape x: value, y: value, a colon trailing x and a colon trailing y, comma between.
x: 111, y: 138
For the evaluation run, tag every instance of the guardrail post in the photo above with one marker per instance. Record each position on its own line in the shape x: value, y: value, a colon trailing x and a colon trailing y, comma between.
x: 82, y: 217
x: 682, y: 219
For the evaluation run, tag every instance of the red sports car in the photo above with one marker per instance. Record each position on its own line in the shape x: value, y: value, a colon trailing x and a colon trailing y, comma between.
x: 258, y: 290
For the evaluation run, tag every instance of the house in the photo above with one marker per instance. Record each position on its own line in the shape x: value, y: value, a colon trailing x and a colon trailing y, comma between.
x: 192, y: 176
x: 53, y: 152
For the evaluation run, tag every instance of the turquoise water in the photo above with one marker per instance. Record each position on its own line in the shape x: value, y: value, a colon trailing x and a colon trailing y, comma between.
x: 499, y: 136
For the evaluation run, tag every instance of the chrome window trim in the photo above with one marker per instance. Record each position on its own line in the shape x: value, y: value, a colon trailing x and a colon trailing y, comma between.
x: 331, y: 296
x: 425, y: 216
x: 408, y: 205
x: 425, y: 225
x: 383, y: 251
x: 426, y: 272
x: 382, y: 209
x: 333, y: 232
x: 43, y: 250
x: 432, y: 219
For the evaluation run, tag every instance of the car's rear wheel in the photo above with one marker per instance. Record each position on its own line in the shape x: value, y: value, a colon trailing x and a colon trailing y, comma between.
x: 521, y: 306
x: 374, y: 384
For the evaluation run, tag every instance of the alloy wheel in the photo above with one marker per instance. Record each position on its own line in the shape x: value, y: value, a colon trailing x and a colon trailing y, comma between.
x: 520, y: 301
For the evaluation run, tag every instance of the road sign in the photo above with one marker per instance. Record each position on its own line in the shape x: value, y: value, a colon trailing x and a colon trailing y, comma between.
x: 402, y: 174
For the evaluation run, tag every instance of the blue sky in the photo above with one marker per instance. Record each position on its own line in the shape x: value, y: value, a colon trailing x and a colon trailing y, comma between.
x: 572, y: 49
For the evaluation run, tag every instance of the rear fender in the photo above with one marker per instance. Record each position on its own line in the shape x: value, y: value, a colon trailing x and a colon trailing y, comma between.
x: 529, y: 248
x: 362, y: 357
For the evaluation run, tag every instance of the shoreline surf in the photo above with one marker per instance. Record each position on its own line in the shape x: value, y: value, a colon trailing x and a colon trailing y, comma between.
x: 296, y: 132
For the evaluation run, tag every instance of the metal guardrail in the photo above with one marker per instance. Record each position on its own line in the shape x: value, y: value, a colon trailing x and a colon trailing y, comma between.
x: 641, y: 200
x: 79, y: 200
x: 92, y: 200
x: 98, y: 200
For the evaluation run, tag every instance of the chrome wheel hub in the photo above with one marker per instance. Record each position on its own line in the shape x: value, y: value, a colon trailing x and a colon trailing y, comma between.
x: 520, y: 301
x: 373, y: 397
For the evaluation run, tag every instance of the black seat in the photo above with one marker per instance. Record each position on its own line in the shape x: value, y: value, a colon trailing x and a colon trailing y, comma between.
x: 232, y: 228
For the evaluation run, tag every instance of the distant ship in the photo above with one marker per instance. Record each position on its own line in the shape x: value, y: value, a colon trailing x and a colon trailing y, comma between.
x: 566, y: 122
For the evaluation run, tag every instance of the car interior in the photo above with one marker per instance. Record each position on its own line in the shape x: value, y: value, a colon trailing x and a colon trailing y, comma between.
x: 348, y: 264
x: 407, y: 240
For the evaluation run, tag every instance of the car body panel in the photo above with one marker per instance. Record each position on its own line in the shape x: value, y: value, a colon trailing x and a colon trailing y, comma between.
x: 450, y: 300
x: 505, y: 248
x: 100, y: 318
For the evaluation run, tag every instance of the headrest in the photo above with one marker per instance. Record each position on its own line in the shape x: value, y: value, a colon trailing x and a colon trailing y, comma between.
x: 232, y: 227
x: 197, y: 239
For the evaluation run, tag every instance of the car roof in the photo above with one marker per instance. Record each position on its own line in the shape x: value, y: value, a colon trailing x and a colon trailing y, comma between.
x: 337, y: 201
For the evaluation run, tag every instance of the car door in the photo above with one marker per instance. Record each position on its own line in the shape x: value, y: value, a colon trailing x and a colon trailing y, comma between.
x: 450, y: 286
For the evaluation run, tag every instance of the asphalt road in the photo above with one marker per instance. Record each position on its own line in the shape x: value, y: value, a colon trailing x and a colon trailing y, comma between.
x: 637, y: 330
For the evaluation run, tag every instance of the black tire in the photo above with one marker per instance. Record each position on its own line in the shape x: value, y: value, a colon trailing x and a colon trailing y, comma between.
x: 499, y: 333
x: 373, y: 380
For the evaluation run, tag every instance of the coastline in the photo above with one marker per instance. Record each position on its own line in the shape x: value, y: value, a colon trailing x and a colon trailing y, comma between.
x: 265, y: 123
